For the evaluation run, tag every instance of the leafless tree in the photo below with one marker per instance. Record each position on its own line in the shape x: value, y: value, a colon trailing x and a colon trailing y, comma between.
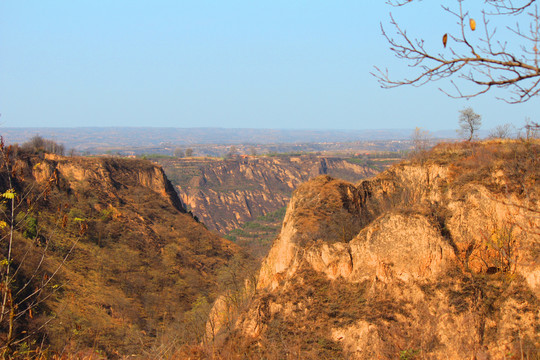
x: 531, y: 129
x: 179, y: 153
x: 469, y: 123
x: 501, y: 131
x: 505, y: 56
x: 233, y: 151
x: 420, y: 140
x: 38, y: 144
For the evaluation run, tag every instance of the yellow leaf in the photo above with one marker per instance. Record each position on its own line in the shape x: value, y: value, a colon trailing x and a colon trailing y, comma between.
x: 472, y: 23
x: 3, y: 224
x: 10, y: 194
x: 36, y: 166
x: 445, y: 39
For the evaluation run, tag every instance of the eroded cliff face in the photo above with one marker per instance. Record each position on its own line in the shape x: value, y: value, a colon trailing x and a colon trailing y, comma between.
x: 437, y: 257
x: 225, y: 194
x: 109, y: 174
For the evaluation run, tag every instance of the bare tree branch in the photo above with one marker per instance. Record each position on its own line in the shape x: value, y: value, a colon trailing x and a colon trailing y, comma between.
x: 486, y: 61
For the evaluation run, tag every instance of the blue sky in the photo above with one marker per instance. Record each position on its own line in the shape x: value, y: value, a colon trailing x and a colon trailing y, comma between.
x: 261, y: 64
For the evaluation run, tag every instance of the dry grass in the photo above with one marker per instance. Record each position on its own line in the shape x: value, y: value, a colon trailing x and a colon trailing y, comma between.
x: 315, y: 305
x: 328, y: 209
x: 500, y: 165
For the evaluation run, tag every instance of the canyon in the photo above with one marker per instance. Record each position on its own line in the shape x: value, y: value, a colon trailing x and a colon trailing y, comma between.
x: 434, y: 257
x: 223, y: 194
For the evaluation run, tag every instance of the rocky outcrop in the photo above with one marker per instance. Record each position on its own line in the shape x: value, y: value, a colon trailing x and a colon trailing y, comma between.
x: 434, y: 258
x: 326, y: 216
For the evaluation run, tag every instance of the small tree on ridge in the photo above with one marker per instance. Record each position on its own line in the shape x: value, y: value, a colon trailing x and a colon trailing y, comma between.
x: 469, y: 123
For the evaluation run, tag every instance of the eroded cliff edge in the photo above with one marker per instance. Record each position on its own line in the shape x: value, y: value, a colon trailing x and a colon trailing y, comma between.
x: 437, y: 257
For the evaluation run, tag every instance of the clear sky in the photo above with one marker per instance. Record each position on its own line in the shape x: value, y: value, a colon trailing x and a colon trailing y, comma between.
x: 235, y: 63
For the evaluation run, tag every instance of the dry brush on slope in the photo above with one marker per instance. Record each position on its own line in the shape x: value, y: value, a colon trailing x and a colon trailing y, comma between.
x: 138, y: 280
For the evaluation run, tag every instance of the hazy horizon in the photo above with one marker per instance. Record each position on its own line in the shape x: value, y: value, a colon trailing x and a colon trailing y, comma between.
x: 165, y: 140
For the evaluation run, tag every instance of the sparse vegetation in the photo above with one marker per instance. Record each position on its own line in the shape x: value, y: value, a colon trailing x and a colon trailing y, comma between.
x: 501, y: 132
x: 178, y: 152
x: 304, y: 333
x: 29, y: 273
x: 152, y: 273
x: 37, y: 144
x: 257, y: 236
x: 409, y: 354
